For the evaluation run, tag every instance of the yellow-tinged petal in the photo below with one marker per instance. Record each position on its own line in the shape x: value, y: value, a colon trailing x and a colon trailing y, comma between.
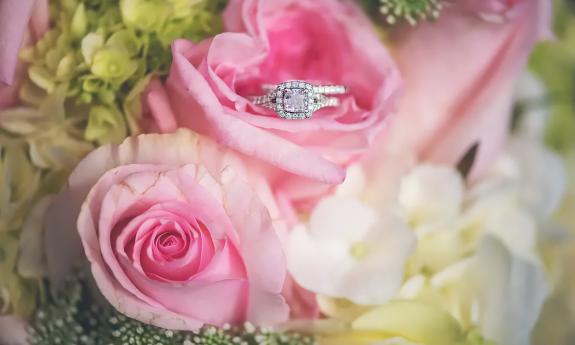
x: 146, y: 15
x: 413, y: 320
x: 65, y: 66
x: 113, y: 64
x: 42, y: 78
x: 31, y: 94
x: 354, y: 338
x: 132, y: 105
x: 340, y: 309
x: 125, y: 39
x: 90, y: 45
x: 79, y: 21
x: 31, y: 263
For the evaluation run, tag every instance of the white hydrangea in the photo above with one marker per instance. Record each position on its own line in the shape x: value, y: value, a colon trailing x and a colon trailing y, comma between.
x: 349, y: 250
x: 476, y: 254
x: 477, y: 246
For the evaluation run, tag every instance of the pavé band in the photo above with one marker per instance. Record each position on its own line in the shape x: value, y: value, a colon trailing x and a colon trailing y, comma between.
x: 298, y: 99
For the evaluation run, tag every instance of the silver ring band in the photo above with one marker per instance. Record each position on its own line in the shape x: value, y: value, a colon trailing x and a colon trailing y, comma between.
x: 322, y: 89
x: 298, y: 99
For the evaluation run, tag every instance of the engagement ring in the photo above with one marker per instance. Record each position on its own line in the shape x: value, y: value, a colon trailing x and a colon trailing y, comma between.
x: 294, y: 100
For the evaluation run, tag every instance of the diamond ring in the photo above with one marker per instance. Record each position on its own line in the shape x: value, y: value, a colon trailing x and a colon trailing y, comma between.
x: 295, y: 100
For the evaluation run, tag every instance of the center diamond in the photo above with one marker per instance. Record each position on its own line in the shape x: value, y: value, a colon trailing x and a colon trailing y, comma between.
x: 295, y: 100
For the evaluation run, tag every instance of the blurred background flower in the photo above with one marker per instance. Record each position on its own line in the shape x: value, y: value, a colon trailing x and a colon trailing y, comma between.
x: 475, y: 272
x: 554, y: 63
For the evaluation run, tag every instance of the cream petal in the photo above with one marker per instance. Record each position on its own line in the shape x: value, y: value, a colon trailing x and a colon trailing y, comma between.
x: 341, y: 218
x: 511, y: 293
x: 431, y: 193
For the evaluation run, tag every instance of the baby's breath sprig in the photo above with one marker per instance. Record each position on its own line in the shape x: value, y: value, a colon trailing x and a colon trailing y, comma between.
x: 410, y: 11
x: 71, y: 318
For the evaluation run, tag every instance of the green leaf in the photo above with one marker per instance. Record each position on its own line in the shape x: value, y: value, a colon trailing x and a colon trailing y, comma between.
x: 465, y: 164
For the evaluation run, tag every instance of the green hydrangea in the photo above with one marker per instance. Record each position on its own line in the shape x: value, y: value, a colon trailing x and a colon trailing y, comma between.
x: 146, y: 15
x: 72, y: 318
x: 38, y: 148
x: 101, y: 51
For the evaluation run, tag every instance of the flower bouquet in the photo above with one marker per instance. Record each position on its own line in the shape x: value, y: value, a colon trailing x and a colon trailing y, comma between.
x: 268, y: 172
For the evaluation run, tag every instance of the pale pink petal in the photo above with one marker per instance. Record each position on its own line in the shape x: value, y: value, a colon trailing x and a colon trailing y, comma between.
x: 14, y: 17
x: 460, y: 73
x: 40, y: 20
x: 158, y: 102
x: 265, y: 264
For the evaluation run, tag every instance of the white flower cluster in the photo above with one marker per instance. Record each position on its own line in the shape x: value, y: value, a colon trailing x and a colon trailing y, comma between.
x: 469, y: 247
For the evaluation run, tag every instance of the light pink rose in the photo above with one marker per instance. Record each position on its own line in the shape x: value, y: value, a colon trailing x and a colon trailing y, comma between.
x: 175, y: 235
x: 460, y: 73
x: 273, y: 41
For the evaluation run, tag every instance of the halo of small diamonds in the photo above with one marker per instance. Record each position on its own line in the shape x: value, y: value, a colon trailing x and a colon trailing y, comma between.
x: 294, y: 100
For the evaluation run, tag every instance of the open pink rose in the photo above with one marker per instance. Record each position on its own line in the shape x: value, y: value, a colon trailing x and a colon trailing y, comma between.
x: 325, y: 41
x: 460, y: 72
x: 174, y: 234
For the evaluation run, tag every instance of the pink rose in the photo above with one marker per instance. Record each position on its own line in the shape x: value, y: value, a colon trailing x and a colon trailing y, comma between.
x: 273, y: 41
x: 174, y: 234
x: 460, y: 73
